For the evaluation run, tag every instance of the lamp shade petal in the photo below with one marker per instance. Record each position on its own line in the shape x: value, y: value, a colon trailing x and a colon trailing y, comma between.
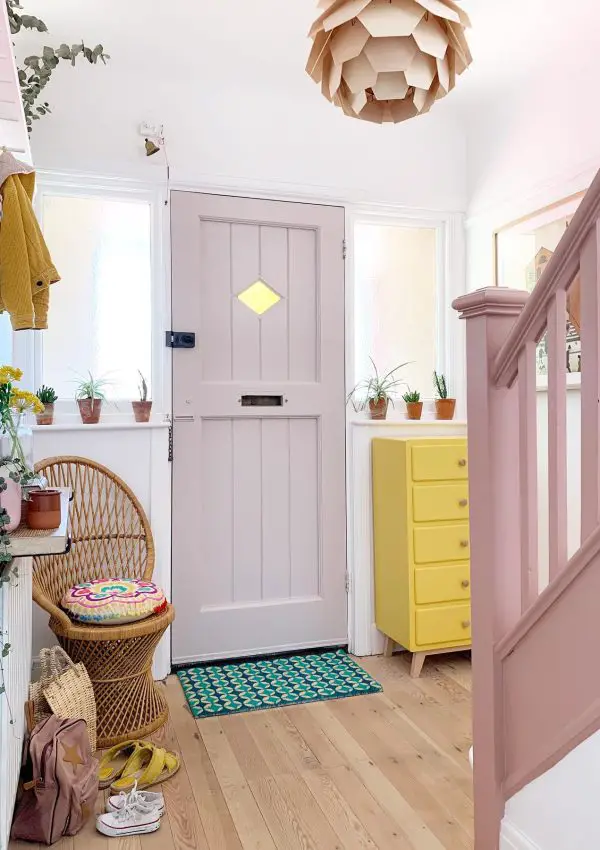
x: 388, y: 60
x: 391, y: 17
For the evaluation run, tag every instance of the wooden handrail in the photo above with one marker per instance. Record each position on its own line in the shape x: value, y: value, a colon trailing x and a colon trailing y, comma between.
x: 558, y: 275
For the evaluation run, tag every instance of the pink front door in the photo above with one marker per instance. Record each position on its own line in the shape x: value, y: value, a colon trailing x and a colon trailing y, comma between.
x: 259, y: 556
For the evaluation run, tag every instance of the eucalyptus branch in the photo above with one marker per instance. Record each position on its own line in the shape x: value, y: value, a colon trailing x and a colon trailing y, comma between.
x: 37, y: 70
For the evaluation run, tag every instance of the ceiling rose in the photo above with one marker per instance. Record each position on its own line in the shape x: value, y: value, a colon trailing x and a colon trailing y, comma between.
x: 388, y: 60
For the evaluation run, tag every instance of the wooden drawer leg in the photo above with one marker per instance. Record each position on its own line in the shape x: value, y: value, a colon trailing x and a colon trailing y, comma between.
x: 388, y: 648
x: 416, y: 665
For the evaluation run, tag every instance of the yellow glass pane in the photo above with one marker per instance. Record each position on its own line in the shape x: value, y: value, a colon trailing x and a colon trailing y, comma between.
x: 259, y: 297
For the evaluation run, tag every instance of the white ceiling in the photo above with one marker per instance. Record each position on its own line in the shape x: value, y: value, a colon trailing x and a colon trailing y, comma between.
x: 264, y: 41
x: 227, y: 79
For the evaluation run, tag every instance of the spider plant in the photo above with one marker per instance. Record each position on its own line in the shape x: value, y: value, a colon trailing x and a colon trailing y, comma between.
x: 377, y: 391
x: 91, y: 388
x: 90, y: 394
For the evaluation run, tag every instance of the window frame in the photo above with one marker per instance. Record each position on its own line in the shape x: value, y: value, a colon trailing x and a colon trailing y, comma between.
x: 450, y: 263
x: 28, y: 345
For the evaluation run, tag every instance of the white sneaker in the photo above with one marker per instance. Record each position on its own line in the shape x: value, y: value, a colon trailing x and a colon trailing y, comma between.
x: 134, y: 817
x: 148, y: 798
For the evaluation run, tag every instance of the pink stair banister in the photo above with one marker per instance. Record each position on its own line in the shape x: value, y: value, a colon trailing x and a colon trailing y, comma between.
x: 533, y: 696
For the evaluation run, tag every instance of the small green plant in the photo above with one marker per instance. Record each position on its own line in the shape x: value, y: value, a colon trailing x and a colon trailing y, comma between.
x: 411, y: 397
x: 441, y: 388
x: 91, y: 387
x: 142, y: 387
x: 376, y: 388
x: 46, y: 395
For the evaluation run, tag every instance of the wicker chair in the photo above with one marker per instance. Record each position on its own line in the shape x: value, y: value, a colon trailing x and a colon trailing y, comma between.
x: 111, y: 536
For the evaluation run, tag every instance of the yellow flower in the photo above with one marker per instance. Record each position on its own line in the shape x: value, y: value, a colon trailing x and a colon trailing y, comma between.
x: 23, y: 401
x: 9, y: 374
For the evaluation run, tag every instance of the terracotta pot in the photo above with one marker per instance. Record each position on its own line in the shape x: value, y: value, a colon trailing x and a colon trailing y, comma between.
x: 414, y: 409
x: 10, y: 500
x: 378, y: 409
x: 44, y: 509
x: 444, y: 408
x: 89, y: 410
x: 141, y: 410
x: 47, y: 417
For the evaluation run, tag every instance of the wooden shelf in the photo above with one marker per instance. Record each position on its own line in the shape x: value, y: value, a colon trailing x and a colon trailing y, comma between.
x: 27, y: 542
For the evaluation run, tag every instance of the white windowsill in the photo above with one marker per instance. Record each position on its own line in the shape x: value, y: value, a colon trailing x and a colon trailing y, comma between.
x: 409, y: 422
x: 102, y: 426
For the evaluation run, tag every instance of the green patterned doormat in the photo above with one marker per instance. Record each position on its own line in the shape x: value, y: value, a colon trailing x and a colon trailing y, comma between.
x: 273, y: 683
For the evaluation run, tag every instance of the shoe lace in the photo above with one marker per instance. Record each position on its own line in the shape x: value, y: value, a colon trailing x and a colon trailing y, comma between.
x: 133, y: 805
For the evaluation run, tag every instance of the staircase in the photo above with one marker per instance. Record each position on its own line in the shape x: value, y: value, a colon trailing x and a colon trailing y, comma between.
x: 535, y: 695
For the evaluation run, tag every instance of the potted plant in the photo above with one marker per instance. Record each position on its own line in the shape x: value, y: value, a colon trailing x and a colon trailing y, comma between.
x: 142, y: 408
x: 89, y: 396
x: 414, y: 405
x: 376, y: 392
x: 47, y: 396
x: 444, y: 406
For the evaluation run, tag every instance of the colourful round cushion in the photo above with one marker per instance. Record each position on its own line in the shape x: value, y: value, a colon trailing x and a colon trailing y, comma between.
x: 113, y: 601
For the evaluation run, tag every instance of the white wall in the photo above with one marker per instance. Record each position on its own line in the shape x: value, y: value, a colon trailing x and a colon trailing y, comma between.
x: 227, y: 80
x: 559, y: 811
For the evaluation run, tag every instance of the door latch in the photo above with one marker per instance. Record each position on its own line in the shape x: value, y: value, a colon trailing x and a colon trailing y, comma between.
x: 180, y: 339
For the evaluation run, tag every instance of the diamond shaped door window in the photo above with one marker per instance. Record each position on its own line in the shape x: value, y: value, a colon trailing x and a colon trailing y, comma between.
x: 259, y: 297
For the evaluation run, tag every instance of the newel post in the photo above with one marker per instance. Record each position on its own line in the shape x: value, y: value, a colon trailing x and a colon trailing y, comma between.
x: 493, y: 427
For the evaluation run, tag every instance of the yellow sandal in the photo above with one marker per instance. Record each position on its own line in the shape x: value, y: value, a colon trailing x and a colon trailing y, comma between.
x: 114, y: 760
x: 148, y: 765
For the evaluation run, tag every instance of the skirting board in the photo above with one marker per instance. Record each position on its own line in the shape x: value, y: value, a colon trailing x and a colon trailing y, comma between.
x: 511, y: 838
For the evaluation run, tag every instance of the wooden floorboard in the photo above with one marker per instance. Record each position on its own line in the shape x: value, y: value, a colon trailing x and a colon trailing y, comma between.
x: 385, y: 771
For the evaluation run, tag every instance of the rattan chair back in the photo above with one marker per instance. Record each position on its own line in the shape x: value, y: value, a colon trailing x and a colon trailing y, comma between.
x: 110, y: 533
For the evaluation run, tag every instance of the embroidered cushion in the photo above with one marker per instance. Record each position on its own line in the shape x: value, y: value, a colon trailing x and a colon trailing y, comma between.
x: 112, y: 601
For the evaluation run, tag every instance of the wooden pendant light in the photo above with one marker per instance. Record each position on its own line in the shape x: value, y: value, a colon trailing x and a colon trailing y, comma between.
x: 388, y: 60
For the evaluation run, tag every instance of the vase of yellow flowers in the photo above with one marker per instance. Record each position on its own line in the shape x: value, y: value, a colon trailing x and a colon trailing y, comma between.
x: 16, y: 466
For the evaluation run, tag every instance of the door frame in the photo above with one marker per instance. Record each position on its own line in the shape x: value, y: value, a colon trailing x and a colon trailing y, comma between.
x: 451, y: 282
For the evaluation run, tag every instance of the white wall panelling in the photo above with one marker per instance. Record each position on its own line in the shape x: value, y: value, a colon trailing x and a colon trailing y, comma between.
x: 15, y: 626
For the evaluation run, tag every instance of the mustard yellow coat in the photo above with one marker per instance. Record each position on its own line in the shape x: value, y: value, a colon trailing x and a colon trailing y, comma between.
x: 26, y: 269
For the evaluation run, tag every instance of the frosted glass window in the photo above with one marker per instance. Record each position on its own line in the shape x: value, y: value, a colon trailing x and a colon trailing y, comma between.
x: 396, y: 302
x: 259, y: 297
x: 100, y: 312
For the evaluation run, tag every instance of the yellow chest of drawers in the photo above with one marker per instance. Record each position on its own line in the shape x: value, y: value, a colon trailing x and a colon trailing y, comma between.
x: 421, y: 539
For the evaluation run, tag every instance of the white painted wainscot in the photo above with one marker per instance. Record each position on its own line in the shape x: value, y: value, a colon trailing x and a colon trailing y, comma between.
x: 365, y: 639
x: 15, y: 626
x: 138, y: 453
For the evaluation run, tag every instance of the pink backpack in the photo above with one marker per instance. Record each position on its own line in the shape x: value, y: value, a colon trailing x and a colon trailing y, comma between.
x: 62, y: 792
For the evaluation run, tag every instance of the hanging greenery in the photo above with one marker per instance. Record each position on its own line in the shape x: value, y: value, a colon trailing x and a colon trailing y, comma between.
x: 36, y: 72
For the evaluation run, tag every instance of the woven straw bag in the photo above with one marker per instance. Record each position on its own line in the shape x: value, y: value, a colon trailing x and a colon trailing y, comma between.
x: 64, y: 689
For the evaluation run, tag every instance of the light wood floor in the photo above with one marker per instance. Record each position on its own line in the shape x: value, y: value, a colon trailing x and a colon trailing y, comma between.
x: 387, y: 771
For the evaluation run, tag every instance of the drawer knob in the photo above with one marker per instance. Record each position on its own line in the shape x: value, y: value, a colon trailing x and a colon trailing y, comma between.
x: 465, y: 582
x: 463, y: 503
x: 462, y: 462
x: 464, y: 544
x: 466, y: 624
